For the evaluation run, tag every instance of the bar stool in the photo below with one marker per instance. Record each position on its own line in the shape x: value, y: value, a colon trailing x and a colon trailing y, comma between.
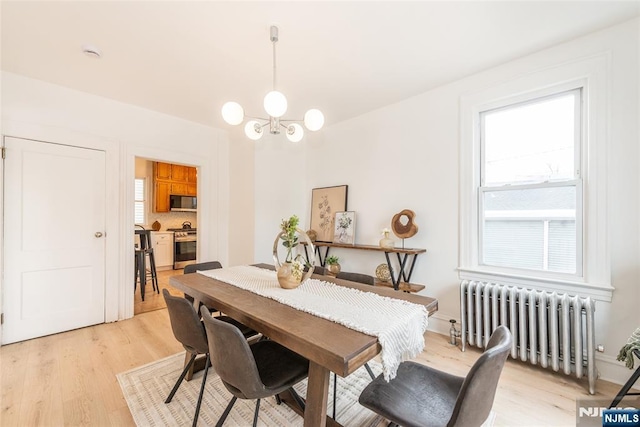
x: 145, y: 250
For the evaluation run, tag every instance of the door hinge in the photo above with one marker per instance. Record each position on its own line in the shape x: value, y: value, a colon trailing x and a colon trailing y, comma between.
x: 1, y: 318
x: 3, y: 152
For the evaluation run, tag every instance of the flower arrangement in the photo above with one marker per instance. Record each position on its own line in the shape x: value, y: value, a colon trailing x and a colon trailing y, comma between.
x: 297, y: 269
x: 289, y: 236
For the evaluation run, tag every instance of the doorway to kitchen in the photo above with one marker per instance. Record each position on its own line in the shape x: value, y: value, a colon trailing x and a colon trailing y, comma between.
x: 165, y: 202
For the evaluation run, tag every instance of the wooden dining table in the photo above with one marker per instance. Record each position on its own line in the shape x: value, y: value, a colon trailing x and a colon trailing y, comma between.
x: 329, y: 346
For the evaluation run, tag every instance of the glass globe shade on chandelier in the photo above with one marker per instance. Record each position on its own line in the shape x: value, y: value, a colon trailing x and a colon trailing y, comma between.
x: 275, y: 104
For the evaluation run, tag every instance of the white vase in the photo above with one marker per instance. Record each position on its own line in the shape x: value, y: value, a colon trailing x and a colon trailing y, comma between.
x: 386, y: 242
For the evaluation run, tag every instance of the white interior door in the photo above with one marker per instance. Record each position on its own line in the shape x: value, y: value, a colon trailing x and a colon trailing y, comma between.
x: 54, y: 239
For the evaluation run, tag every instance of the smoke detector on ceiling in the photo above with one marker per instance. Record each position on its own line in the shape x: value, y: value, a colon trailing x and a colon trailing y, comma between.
x: 91, y: 51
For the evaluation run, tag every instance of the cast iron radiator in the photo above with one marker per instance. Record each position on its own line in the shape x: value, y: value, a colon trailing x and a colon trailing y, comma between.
x: 555, y: 331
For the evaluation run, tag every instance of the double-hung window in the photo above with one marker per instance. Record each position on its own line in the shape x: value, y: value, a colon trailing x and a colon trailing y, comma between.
x: 530, y: 194
x: 533, y: 180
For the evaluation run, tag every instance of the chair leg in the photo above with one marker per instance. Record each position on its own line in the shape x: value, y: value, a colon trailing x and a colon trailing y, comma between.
x: 226, y: 412
x: 297, y: 398
x: 371, y: 374
x: 184, y: 372
x: 154, y: 274
x: 625, y: 388
x: 255, y: 415
x: 204, y: 381
x: 335, y: 382
x: 335, y: 388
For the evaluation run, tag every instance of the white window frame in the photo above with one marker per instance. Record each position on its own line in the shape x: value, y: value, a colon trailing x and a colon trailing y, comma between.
x: 144, y: 201
x: 590, y: 75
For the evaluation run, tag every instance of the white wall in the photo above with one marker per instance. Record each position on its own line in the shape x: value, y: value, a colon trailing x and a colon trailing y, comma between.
x: 406, y: 156
x: 42, y: 111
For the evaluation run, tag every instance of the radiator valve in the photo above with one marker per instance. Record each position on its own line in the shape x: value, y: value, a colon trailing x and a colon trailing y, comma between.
x: 453, y: 333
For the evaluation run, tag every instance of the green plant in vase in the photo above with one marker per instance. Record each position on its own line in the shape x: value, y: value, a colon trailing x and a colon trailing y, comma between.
x: 292, y: 272
x: 289, y: 235
x: 333, y: 267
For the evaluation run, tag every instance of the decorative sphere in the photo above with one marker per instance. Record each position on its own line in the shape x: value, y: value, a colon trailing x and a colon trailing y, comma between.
x: 314, y: 119
x: 253, y: 130
x: 295, y: 132
x: 312, y: 235
x: 232, y: 113
x: 275, y: 104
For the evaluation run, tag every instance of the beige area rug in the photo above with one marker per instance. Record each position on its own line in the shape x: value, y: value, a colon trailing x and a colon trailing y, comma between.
x: 145, y: 389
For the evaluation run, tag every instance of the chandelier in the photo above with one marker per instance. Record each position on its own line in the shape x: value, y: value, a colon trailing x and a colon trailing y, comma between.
x: 275, y: 104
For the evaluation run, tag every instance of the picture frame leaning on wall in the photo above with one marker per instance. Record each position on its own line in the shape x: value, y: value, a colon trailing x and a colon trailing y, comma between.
x: 345, y: 228
x: 325, y: 202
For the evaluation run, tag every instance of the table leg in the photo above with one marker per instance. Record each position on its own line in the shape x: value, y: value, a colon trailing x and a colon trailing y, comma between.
x: 315, y: 414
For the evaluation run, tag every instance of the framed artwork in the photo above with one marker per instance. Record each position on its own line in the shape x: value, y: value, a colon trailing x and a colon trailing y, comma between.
x: 345, y: 228
x: 325, y: 202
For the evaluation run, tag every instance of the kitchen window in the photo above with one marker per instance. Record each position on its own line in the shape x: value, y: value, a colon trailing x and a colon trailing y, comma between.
x: 140, y: 203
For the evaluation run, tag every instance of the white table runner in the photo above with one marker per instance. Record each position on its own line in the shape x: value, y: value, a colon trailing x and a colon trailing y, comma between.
x: 399, y: 325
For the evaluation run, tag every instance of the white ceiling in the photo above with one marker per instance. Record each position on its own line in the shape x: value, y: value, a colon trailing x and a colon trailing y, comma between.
x: 346, y: 58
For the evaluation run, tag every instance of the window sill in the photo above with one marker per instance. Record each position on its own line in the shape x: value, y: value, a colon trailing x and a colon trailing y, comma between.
x: 596, y: 292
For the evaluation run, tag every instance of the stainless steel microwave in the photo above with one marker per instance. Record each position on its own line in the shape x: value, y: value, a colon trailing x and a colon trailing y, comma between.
x: 183, y: 203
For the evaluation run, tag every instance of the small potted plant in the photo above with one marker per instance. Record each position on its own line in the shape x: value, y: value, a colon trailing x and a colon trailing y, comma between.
x: 333, y: 268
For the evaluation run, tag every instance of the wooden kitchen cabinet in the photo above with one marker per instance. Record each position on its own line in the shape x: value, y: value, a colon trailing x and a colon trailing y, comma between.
x: 162, y: 170
x: 162, y: 244
x: 179, y: 189
x: 192, y: 175
x: 179, y: 173
x: 172, y: 179
x: 162, y: 191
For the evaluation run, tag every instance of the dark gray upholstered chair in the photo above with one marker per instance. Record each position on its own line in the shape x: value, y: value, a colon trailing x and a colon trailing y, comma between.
x: 420, y: 396
x: 192, y: 268
x: 189, y: 330
x: 256, y: 371
x: 356, y: 277
x: 212, y: 265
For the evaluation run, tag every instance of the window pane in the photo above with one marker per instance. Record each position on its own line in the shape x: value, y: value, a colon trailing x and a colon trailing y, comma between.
x: 562, y: 246
x: 139, y: 190
x: 531, y: 228
x: 517, y: 244
x: 139, y: 201
x: 139, y: 213
x: 530, y: 142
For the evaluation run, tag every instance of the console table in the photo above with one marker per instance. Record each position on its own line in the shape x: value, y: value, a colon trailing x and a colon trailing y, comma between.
x: 403, y: 254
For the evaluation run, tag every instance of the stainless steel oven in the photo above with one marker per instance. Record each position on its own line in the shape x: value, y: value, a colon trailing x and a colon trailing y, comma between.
x: 184, y: 248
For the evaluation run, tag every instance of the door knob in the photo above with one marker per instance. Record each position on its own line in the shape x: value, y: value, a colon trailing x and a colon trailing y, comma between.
x: 98, y: 234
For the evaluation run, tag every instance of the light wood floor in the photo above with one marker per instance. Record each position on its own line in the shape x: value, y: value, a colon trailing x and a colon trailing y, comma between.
x: 153, y: 300
x: 69, y: 379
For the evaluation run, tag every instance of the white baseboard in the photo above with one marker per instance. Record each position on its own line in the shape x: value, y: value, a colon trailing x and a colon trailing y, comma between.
x: 609, y: 369
x: 440, y: 324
